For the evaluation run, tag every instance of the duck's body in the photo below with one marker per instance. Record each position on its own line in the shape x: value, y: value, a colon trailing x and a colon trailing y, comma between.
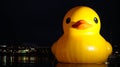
x: 81, y: 42
x: 87, y: 49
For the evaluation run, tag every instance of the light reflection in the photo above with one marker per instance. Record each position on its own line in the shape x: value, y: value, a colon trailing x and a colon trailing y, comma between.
x: 11, y: 59
x: 33, y: 59
x: 80, y: 65
x: 91, y: 48
x: 116, y: 52
x: 4, y: 60
x: 23, y: 59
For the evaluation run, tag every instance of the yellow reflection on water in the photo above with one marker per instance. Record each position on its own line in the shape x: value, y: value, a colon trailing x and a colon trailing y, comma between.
x: 23, y: 59
x: 80, y: 65
x: 27, y: 59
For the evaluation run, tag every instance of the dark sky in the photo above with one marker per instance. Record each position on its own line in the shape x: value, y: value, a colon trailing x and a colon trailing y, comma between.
x: 40, y: 21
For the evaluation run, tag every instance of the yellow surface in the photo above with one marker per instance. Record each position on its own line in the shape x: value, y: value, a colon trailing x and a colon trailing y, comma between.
x: 81, y: 41
x: 80, y: 65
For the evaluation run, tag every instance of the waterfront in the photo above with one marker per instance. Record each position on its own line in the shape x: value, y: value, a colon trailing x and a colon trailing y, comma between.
x: 25, y: 60
x: 46, y: 59
x: 42, y: 57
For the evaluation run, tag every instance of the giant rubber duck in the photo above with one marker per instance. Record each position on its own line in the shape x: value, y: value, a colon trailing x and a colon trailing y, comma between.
x: 81, y: 41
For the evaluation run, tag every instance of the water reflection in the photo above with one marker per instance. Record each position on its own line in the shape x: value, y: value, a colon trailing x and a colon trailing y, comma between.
x: 43, y: 58
x: 81, y: 65
x: 44, y: 61
x: 15, y: 60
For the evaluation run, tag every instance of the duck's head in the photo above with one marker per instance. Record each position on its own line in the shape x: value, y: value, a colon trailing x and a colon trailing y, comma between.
x: 81, y: 20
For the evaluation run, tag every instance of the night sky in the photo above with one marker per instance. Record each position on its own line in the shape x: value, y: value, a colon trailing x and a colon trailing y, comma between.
x: 40, y: 21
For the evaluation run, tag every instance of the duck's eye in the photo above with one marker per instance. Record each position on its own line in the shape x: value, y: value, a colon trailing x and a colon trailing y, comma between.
x: 95, y: 20
x: 68, y: 20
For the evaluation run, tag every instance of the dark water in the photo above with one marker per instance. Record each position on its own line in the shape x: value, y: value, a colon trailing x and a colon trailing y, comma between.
x: 26, y: 60
x: 46, y: 59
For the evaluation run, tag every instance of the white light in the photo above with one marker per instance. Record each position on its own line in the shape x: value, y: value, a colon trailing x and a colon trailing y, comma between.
x: 106, y: 62
x: 91, y: 48
x: 116, y: 52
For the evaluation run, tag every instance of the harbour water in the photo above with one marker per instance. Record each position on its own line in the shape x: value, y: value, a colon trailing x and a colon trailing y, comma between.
x: 44, y: 58
x: 44, y: 61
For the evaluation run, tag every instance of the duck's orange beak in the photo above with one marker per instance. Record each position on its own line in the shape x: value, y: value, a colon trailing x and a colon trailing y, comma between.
x: 82, y: 24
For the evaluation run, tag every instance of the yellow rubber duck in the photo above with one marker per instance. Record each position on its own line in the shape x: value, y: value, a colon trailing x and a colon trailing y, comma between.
x: 81, y: 41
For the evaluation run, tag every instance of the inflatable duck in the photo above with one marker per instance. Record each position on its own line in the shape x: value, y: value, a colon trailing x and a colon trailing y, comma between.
x: 81, y: 41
